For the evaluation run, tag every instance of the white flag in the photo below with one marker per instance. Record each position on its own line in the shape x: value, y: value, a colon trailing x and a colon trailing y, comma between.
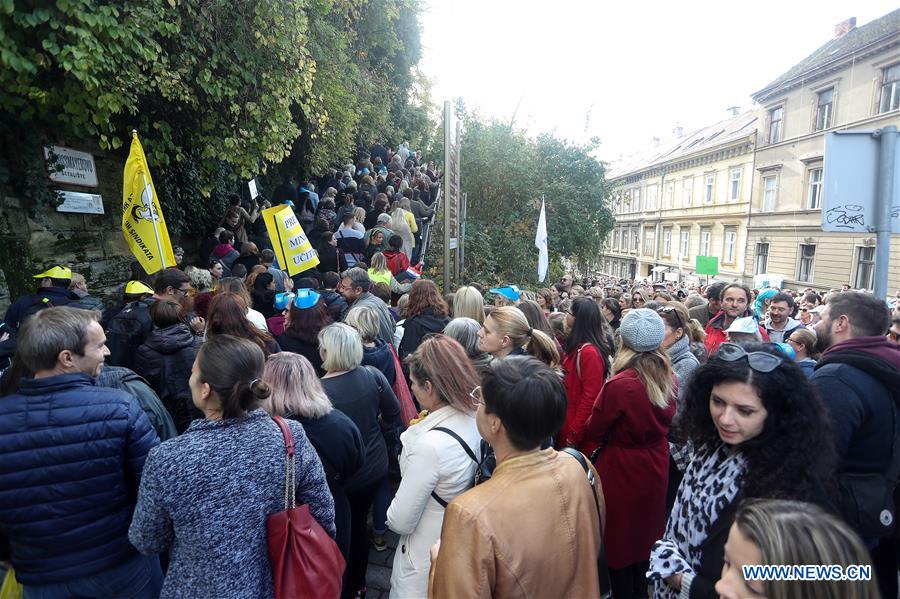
x: 540, y: 242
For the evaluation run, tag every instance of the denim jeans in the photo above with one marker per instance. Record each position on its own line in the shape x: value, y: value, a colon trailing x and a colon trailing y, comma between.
x: 380, y: 507
x: 139, y: 577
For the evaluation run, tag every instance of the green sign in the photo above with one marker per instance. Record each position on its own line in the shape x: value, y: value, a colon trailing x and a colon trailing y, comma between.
x: 707, y: 265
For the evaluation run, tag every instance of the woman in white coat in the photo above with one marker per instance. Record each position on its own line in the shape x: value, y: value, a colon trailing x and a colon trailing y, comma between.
x: 439, y: 457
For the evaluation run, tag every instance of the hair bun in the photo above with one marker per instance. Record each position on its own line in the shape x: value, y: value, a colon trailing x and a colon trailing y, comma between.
x: 260, y: 389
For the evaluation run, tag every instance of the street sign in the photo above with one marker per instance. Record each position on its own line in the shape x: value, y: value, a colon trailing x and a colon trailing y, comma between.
x: 82, y: 203
x: 850, y: 185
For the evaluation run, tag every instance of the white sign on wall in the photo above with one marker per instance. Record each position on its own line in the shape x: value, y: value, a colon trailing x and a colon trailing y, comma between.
x: 78, y: 167
x: 83, y: 203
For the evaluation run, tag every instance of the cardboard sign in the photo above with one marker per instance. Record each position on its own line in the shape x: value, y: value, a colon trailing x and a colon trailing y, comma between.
x: 254, y: 193
x: 291, y: 246
x: 707, y: 265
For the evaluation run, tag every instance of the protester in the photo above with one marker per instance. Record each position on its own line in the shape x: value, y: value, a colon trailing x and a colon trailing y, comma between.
x: 165, y: 359
x: 505, y: 332
x: 438, y: 460
x: 630, y: 422
x: 236, y: 286
x: 803, y: 341
x: 298, y: 394
x: 85, y: 300
x: 585, y: 367
x: 677, y: 343
x: 263, y: 295
x: 465, y: 331
x: 228, y: 316
x: 612, y: 311
x: 213, y: 487
x: 537, y: 515
x: 736, y: 300
x: 379, y: 273
x: 858, y: 378
x: 71, y: 456
x: 468, y: 303
x: 779, y: 324
x: 791, y: 533
x: 426, y: 313
x: 759, y: 431
x: 331, y: 257
x: 364, y: 395
x: 304, y: 316
x: 354, y: 287
x: 376, y: 353
x: 334, y: 302
x: 400, y: 226
x: 705, y: 312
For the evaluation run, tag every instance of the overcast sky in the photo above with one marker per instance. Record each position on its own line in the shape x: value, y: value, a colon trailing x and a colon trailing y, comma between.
x: 623, y: 71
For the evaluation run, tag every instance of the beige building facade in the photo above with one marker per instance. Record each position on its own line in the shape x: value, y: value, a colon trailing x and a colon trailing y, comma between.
x: 850, y: 83
x: 686, y: 198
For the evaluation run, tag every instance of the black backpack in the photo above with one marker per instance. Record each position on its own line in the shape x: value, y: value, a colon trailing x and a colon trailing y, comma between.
x: 126, y: 331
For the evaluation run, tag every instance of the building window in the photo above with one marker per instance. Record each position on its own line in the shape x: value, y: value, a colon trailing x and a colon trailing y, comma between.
x: 890, y: 89
x: 865, y: 268
x: 776, y: 124
x: 615, y: 239
x: 649, y: 242
x: 807, y: 257
x: 704, y: 242
x: 770, y: 191
x: 667, y: 242
x: 670, y: 194
x: 710, y: 188
x: 730, y: 243
x: 685, y: 243
x: 652, y: 197
x: 636, y: 200
x: 634, y: 240
x: 824, y: 109
x: 687, y: 192
x: 814, y: 196
x: 736, y: 182
x: 762, y: 258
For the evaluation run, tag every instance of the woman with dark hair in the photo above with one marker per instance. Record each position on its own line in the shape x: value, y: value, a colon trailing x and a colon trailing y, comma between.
x: 236, y: 285
x: 165, y: 360
x: 263, y: 294
x: 759, y: 431
x: 302, y: 325
x: 545, y: 300
x: 228, y: 316
x: 426, y: 313
x: 217, y: 270
x: 585, y: 367
x: 214, y: 486
x: 331, y: 257
x: 612, y: 311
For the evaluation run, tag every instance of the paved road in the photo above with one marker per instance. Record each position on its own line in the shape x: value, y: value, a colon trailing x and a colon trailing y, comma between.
x: 378, y: 576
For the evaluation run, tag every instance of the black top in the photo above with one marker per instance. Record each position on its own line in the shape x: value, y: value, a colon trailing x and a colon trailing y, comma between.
x: 288, y: 342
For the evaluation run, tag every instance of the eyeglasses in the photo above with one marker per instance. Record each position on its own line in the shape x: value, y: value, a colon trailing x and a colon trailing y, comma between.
x: 758, y: 360
x: 794, y: 341
x: 666, y: 310
x: 476, y: 396
x: 190, y: 291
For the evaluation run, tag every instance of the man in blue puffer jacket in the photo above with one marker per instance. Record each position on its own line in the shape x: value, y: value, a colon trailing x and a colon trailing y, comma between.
x: 71, y: 456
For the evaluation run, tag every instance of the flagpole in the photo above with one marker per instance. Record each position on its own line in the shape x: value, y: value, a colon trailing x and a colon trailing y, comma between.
x: 162, y: 257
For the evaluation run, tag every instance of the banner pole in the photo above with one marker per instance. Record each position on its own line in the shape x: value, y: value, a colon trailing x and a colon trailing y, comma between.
x: 162, y: 257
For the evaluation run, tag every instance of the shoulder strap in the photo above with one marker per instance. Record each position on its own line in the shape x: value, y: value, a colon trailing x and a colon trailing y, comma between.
x: 602, y: 569
x: 467, y: 449
x: 578, y: 360
x: 290, y: 464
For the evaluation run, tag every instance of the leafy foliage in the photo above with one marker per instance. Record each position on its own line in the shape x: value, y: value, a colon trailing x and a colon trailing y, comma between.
x: 505, y: 173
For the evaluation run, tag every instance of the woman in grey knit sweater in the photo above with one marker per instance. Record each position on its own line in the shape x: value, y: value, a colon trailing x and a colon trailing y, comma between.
x: 205, y: 495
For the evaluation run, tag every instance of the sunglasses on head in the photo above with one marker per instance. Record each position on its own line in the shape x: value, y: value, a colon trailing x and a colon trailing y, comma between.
x: 666, y: 310
x: 758, y: 360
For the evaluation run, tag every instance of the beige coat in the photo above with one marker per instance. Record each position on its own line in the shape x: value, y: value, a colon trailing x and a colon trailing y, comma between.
x: 530, y: 531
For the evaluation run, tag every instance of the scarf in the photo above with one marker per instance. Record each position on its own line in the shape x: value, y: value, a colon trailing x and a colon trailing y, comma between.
x: 711, y: 483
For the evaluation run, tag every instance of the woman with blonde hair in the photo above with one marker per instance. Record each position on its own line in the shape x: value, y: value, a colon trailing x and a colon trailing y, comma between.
x: 297, y: 394
x: 438, y: 460
x: 400, y: 226
x: 630, y: 423
x: 380, y: 273
x: 359, y: 218
x: 468, y: 303
x: 505, y: 332
x: 774, y: 532
x: 803, y: 341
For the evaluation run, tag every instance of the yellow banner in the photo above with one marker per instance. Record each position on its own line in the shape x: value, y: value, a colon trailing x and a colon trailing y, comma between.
x: 143, y: 225
x: 292, y: 248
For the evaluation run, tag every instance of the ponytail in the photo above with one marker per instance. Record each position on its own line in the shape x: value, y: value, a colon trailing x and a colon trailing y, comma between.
x: 543, y: 347
x: 232, y: 367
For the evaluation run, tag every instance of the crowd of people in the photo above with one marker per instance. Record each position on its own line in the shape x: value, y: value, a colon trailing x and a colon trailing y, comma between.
x: 621, y: 436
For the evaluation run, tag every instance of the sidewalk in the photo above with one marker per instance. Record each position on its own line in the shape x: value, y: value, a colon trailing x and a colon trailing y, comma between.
x: 378, y: 575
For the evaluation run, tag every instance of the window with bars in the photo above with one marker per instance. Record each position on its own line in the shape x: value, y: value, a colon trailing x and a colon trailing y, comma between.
x: 865, y: 268
x: 814, y: 194
x: 824, y: 109
x: 762, y: 258
x: 736, y: 182
x: 730, y: 243
x: 805, y: 265
x: 776, y: 124
x: 770, y: 191
x: 890, y: 89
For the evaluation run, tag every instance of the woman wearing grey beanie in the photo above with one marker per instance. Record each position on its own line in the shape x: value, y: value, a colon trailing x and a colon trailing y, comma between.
x: 630, y: 422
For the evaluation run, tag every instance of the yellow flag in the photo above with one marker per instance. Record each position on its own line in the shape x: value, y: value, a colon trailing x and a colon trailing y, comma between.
x: 143, y: 225
x: 292, y: 248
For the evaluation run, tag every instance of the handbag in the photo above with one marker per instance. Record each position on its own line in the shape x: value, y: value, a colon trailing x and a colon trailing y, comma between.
x: 408, y: 409
x: 306, y: 561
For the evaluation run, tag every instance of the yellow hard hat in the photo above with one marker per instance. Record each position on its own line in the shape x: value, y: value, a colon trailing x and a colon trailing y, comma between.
x: 136, y: 287
x: 57, y: 272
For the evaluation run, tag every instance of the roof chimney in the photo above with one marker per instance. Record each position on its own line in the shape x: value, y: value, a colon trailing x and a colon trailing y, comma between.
x: 734, y: 110
x: 844, y: 27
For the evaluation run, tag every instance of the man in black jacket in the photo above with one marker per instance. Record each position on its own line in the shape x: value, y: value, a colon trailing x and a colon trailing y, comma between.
x: 858, y: 378
x: 713, y: 305
x: 53, y: 291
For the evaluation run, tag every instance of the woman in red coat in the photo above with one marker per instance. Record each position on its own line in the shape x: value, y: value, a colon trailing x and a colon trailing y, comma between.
x: 585, y: 365
x: 629, y: 422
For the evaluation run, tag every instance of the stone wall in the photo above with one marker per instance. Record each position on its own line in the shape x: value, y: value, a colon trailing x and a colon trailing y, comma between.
x: 35, y: 236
